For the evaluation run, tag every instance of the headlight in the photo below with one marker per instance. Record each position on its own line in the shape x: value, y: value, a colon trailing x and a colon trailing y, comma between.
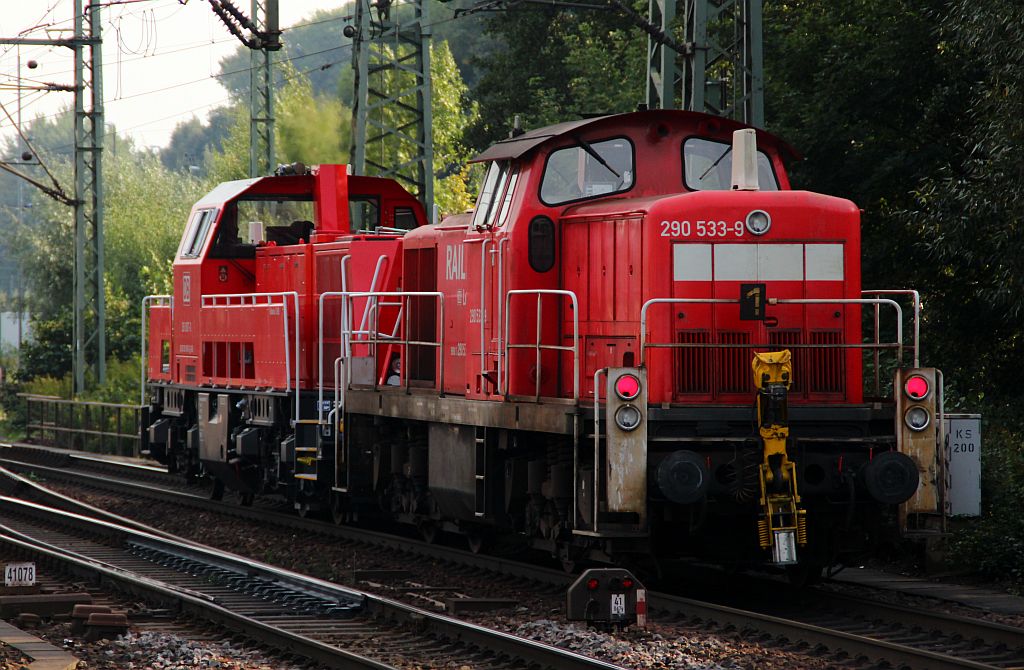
x: 627, y: 417
x: 916, y: 387
x: 917, y: 418
x: 627, y: 386
x: 758, y: 222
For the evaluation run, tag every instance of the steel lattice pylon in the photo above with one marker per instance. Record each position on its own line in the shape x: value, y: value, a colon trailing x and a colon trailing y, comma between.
x: 90, y: 347
x: 261, y: 92
x: 391, y: 57
x: 722, y: 71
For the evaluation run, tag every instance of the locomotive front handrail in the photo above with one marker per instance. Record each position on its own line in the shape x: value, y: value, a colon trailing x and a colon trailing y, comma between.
x: 917, y: 328
x: 161, y: 300
x: 897, y: 345
x: 249, y: 300
x: 537, y: 346
x: 596, y: 484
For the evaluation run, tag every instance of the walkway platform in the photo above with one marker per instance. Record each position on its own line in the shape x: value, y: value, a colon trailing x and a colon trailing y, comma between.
x: 44, y: 655
x: 991, y: 600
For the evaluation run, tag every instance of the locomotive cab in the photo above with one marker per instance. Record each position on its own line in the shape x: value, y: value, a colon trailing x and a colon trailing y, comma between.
x: 228, y: 357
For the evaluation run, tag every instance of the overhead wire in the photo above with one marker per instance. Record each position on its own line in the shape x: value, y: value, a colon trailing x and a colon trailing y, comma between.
x: 225, y: 99
x: 323, y: 66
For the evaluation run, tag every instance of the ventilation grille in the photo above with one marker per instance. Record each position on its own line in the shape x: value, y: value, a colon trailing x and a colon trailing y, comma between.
x: 787, y: 339
x: 693, y: 365
x: 826, y: 368
x: 713, y: 370
x: 734, y: 371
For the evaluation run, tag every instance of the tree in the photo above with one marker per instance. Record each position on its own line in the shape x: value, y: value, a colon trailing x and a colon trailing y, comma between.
x: 453, y: 113
x: 311, y: 128
x: 146, y: 207
x: 970, y: 213
x: 555, y: 64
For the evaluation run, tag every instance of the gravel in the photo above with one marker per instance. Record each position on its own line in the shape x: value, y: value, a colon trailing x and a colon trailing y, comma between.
x: 12, y: 659
x: 156, y: 650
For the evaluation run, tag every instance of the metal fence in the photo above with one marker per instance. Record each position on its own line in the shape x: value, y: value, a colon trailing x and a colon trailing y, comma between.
x: 96, y: 427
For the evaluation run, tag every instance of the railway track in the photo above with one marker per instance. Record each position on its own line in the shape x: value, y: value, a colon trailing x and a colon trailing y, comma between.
x: 850, y: 630
x: 323, y: 622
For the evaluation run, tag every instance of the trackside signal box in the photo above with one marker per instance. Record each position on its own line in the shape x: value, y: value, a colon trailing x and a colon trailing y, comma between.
x: 607, y: 598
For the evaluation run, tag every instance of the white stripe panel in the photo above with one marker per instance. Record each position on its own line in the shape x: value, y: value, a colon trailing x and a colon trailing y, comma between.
x: 757, y: 262
x: 780, y: 262
x: 736, y: 262
x: 691, y: 262
x: 824, y: 262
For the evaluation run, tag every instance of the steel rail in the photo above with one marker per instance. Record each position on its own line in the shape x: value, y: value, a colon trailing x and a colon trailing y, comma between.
x: 857, y: 645
x: 948, y: 624
x: 375, y: 538
x: 445, y: 628
x: 835, y: 640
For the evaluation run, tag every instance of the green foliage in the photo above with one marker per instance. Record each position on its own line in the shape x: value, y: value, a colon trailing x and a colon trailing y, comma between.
x: 555, y: 64
x: 310, y: 128
x: 146, y: 206
x: 192, y: 140
x: 453, y: 112
x: 994, y: 544
x: 863, y: 91
x: 970, y: 211
x: 231, y: 161
x: 315, y: 46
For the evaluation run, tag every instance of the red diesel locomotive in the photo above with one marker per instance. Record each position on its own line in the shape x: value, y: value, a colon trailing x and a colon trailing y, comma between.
x: 640, y: 342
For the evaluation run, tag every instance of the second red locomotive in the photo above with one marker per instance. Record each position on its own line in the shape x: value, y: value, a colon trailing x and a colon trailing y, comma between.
x: 640, y: 341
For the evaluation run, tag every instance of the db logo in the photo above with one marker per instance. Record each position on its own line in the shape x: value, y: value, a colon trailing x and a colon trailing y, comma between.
x: 186, y: 288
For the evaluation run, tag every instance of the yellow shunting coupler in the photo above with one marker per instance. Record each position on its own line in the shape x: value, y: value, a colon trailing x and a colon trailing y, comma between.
x: 782, y: 524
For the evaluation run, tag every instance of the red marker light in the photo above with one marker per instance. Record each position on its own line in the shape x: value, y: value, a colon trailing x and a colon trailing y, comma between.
x: 627, y: 387
x: 916, y: 387
x: 627, y: 583
x: 592, y: 584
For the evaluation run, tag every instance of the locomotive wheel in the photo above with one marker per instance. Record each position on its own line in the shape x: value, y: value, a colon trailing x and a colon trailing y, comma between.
x: 805, y: 573
x: 216, y: 489
x: 339, y: 514
x: 475, y: 542
x: 246, y: 498
x: 428, y: 531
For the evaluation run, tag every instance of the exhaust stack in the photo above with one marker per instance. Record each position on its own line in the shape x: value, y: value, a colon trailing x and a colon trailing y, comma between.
x: 744, y: 160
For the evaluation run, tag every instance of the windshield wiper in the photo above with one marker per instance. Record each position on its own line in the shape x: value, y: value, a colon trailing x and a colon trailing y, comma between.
x: 596, y: 156
x: 715, y: 164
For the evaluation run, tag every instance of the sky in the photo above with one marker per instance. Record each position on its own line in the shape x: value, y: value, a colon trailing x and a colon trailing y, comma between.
x: 160, y: 61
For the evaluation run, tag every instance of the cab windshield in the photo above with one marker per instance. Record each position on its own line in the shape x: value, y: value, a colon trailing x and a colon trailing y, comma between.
x: 587, y: 170
x: 707, y: 166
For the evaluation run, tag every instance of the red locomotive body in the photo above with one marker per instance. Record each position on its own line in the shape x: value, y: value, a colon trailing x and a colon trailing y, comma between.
x: 628, y: 346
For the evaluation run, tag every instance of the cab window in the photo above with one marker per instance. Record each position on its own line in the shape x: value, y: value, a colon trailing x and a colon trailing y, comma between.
x: 587, y: 170
x: 405, y: 218
x: 506, y: 202
x: 707, y: 166
x: 494, y: 185
x: 195, y: 236
x: 363, y: 213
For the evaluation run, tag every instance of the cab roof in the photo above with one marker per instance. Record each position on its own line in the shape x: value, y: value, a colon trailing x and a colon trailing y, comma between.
x: 518, y: 146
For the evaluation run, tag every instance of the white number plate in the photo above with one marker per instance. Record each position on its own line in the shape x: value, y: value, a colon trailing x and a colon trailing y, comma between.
x: 20, y: 574
x: 618, y: 604
x: 709, y: 228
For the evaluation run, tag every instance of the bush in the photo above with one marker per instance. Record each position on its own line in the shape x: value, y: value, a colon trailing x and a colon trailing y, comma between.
x: 994, y: 544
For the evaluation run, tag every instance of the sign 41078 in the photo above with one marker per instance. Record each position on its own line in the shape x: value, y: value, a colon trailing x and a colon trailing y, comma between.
x: 20, y: 574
